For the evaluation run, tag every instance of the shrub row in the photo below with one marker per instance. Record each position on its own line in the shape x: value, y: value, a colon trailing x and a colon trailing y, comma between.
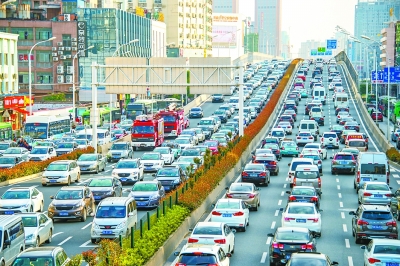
x: 393, y: 154
x: 201, y: 183
x: 30, y: 168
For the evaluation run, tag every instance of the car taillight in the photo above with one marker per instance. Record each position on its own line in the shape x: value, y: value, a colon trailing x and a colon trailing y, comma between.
x: 272, y: 163
x: 180, y: 264
x: 310, y: 137
x: 307, y: 246
x: 193, y: 240
x: 283, y: 148
x: 392, y: 223
x: 312, y: 118
x: 387, y: 177
x: 358, y: 177
x: 251, y: 196
x: 216, y: 213
x: 367, y: 194
x: 277, y: 245
x: 220, y: 241
x: 294, y: 181
x: 362, y: 222
x: 263, y: 174
x: 245, y: 174
x: 238, y: 214
x: 289, y: 219
x: 389, y: 195
x: 292, y: 198
x: 319, y: 182
x: 314, y: 220
x: 298, y: 137
x: 337, y: 139
x: 319, y: 162
x: 314, y: 199
x: 322, y: 139
x: 228, y: 195
x: 373, y: 260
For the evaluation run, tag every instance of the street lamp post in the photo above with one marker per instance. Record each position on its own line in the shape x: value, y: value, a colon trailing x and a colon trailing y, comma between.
x: 388, y: 110
x: 125, y: 44
x: 73, y: 80
x: 30, y: 71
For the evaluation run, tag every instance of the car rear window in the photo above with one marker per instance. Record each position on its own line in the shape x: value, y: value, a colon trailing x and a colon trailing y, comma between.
x: 377, y: 169
x: 386, y: 249
x: 282, y: 236
x: 343, y: 157
x: 307, y: 174
x: 301, y: 210
x: 197, y: 259
x: 295, y: 164
x: 307, y: 262
x: 207, y: 231
x: 377, y: 215
x: 329, y: 135
x: 357, y: 143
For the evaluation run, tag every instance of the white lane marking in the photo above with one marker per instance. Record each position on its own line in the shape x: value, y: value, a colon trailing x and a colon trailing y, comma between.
x: 347, y: 242
x: 269, y: 239
x: 273, y: 225
x: 264, y: 257
x: 337, y: 180
x: 344, y: 228
x: 282, y: 193
x: 339, y: 195
x: 396, y: 176
x: 280, y: 202
x: 108, y: 171
x: 62, y: 242
x: 287, y: 179
x: 86, y: 245
x: 86, y: 226
x: 284, y: 186
x: 56, y: 234
x: 342, y: 215
x: 398, y: 182
x: 276, y: 212
x: 350, y: 259
x: 338, y: 187
x: 341, y: 204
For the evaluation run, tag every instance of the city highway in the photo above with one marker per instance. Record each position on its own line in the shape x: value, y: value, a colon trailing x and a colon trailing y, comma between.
x: 74, y: 236
x: 339, y: 197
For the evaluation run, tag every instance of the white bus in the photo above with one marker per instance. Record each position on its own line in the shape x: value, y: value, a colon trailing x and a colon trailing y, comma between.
x: 47, y: 127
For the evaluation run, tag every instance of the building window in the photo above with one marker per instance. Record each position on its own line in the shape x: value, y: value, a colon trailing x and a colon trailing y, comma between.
x: 24, y: 33
x: 66, y: 39
x: 43, y: 56
x: 36, y: 4
x: 43, y: 33
x: 69, y: 7
x: 23, y: 77
x: 44, y: 78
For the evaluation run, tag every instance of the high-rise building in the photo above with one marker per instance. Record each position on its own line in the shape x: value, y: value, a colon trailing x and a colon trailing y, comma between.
x: 225, y: 6
x: 268, y: 25
x: 285, y: 44
x: 388, y: 46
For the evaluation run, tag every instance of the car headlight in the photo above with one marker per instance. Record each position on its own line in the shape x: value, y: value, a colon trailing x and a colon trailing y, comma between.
x: 30, y: 237
x: 114, y: 174
x: 95, y: 226
x: 134, y: 173
x: 109, y: 192
x: 78, y: 205
x: 121, y: 225
x: 176, y: 181
x: 154, y: 197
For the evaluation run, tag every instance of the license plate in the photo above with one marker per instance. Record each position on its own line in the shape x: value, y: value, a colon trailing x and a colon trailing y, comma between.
x: 366, y: 179
x: 378, y: 196
x: 97, y: 197
x: 343, y: 162
x: 287, y: 256
x: 377, y: 227
x: 301, y: 201
x: 53, y: 181
x: 116, y: 157
x: 392, y: 264
x: 83, y: 169
x: 9, y: 212
x: 142, y: 145
x: 306, y: 184
x: 253, y: 175
x: 123, y: 179
x: 105, y: 232
x: 304, y: 138
x: 226, y: 215
x: 300, y: 220
x: 63, y: 213
x: 148, y: 168
x: 138, y: 203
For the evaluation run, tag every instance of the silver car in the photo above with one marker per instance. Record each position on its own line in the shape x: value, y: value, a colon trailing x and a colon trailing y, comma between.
x: 19, y: 152
x: 38, y: 228
x: 92, y: 162
x: 377, y: 193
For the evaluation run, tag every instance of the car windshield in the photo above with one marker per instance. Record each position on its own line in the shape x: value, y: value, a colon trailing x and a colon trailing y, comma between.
x: 377, y: 215
x: 57, y: 167
x: 258, y: 167
x: 191, y: 152
x: 39, y: 151
x: 7, y: 160
x: 238, y: 187
x: 65, y: 146
x: 151, y: 156
x: 119, y: 146
x: 291, y: 235
x: 206, y: 122
x: 207, y: 230
x: 211, y: 143
x: 228, y: 205
x: 33, y: 260
x: 101, y: 182
x: 162, y: 150
x: 197, y: 259
x: 186, y: 159
x: 168, y: 172
x: 271, y: 146
x: 145, y: 187
x: 126, y: 165
x: 110, y: 212
x: 4, y: 147
x: 69, y: 194
x: 220, y: 112
x: 303, y: 191
x: 16, y: 195
x: 357, y: 143
x: 182, y: 141
x: 301, y: 209
x: 81, y: 142
x: 277, y: 133
x: 118, y: 131
x: 29, y: 221
x: 306, y: 174
x: 377, y: 187
x: 195, y: 109
x: 386, y: 249
x: 88, y: 157
x: 289, y: 144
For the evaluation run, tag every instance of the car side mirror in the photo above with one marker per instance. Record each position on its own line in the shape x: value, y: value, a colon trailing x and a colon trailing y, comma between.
x: 288, y: 192
x: 228, y: 255
x: 227, y: 188
x: 213, y: 205
x: 176, y: 253
x: 288, y: 164
x: 257, y: 188
x: 7, y: 242
x: 352, y: 213
x: 51, y: 197
x: 270, y: 234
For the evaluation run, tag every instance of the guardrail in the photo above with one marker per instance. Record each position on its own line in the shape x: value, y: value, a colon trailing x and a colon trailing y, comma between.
x: 381, y: 139
x: 342, y: 56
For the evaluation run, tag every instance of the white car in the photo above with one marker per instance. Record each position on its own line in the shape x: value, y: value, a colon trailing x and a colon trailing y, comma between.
x: 374, y: 192
x: 340, y: 115
x: 233, y: 212
x: 211, y: 233
x: 184, y: 142
x: 191, y: 132
x: 330, y: 140
x: 61, y: 172
x: 210, y: 122
x: 302, y: 214
x: 198, y: 254
x: 82, y: 143
x: 317, y: 102
x: 318, y: 146
x: 128, y: 171
x: 200, y: 134
x: 286, y: 126
x: 21, y: 199
x: 166, y: 154
x: 42, y: 153
x: 38, y: 228
x: 382, y: 252
x: 279, y: 133
x: 151, y: 161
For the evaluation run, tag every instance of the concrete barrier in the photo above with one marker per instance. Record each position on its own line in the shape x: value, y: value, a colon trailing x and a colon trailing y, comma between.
x: 380, y: 138
x: 161, y: 256
x: 196, y: 102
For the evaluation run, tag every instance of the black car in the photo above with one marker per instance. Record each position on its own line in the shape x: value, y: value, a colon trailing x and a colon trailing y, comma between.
x: 104, y: 187
x: 319, y: 119
x: 287, y: 118
x: 222, y: 115
x: 196, y: 112
x: 170, y: 177
x: 341, y: 109
x: 290, y: 106
x: 304, y: 194
x: 217, y: 98
x: 288, y: 240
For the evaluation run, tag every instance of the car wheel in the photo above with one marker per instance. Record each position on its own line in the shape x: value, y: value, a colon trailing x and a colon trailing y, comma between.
x: 97, y: 170
x: 255, y: 208
x: 44, y: 184
x: 359, y: 201
x: 358, y: 241
x: 37, y: 242
x: 31, y: 209
x: 244, y: 228
x: 50, y: 238
x: 41, y: 207
x: 84, y: 215
x: 93, y: 240
x: 78, y: 178
x: 69, y: 181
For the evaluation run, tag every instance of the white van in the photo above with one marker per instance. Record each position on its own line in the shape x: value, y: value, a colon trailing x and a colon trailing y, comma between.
x: 103, y: 136
x: 234, y: 101
x: 341, y: 100
x: 12, y: 238
x: 309, y: 126
x: 319, y: 94
x: 372, y: 166
x: 115, y: 216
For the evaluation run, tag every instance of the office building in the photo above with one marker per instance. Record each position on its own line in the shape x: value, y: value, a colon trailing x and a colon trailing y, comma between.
x: 285, y: 45
x: 268, y: 25
x: 8, y: 64
x: 225, y: 6
x: 387, y: 47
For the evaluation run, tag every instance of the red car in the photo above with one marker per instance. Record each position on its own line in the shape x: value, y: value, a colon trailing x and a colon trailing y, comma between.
x: 302, y: 77
x: 377, y: 116
x: 212, y: 145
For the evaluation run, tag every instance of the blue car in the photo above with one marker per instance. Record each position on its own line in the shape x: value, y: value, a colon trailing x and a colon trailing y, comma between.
x: 395, y: 135
x: 196, y: 112
x: 147, y: 194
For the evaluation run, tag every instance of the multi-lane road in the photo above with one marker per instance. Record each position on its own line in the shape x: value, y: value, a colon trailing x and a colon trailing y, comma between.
x: 339, y: 197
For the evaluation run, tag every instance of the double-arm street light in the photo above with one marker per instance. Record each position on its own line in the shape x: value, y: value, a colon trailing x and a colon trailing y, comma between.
x: 116, y: 53
x: 30, y: 71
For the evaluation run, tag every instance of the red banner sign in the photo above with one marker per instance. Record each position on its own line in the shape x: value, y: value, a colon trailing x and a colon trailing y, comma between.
x: 16, y: 102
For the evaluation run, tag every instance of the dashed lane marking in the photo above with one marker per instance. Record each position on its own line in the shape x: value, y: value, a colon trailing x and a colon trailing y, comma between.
x: 341, y: 204
x: 86, y: 226
x: 347, y: 242
x: 338, y: 187
x: 269, y: 239
x: 340, y: 195
x: 62, y: 242
x: 342, y: 215
x: 396, y: 176
x: 282, y: 193
x: 56, y: 234
x: 273, y: 225
x: 344, y: 228
x: 276, y: 212
x: 280, y: 202
x: 350, y: 259
x: 264, y: 257
x: 86, y: 245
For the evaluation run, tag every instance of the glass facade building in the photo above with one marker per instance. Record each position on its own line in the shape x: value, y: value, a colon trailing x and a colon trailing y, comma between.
x: 106, y: 30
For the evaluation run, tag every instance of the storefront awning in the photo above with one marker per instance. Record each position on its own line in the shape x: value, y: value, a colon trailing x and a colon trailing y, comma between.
x: 19, y: 110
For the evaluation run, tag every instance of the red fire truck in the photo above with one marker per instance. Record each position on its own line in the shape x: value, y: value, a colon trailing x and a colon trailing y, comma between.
x: 173, y: 120
x: 147, y: 131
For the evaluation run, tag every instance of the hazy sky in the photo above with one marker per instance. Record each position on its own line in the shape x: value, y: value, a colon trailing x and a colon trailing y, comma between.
x: 311, y: 19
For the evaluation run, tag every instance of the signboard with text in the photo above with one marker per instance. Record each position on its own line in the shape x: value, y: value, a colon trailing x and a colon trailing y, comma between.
x: 321, y: 49
x: 82, y: 38
x: 10, y: 102
x: 314, y: 52
x: 331, y: 44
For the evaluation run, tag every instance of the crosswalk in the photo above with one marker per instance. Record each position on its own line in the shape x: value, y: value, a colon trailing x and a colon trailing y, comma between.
x: 396, y: 174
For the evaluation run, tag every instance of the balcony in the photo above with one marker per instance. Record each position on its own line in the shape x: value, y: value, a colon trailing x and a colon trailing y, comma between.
x: 44, y: 64
x: 382, y: 55
x: 383, y: 39
x: 382, y: 63
x: 382, y: 47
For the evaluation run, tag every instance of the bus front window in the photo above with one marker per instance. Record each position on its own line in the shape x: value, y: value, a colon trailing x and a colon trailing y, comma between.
x: 36, y: 130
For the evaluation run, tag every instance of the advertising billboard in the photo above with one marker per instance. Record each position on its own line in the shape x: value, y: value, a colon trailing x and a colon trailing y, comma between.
x: 397, y: 45
x: 225, y: 36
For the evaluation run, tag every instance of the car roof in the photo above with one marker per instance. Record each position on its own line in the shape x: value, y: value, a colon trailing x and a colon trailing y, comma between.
x: 39, y: 252
x: 62, y: 161
x: 292, y: 229
x: 368, y: 207
x: 72, y: 188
